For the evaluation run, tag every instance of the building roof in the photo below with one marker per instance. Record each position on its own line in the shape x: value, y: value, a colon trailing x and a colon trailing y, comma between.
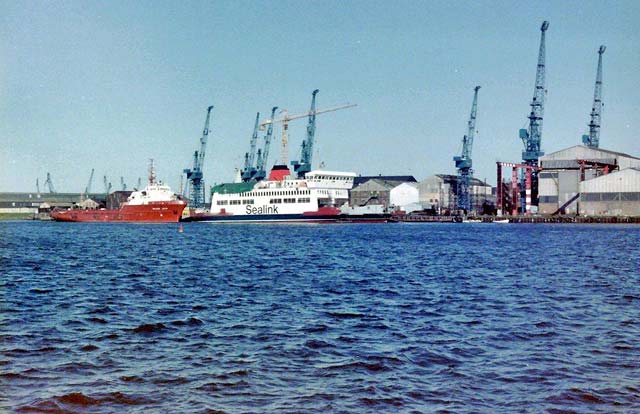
x: 584, y: 152
x: 391, y: 178
x: 453, y: 179
x: 374, y: 185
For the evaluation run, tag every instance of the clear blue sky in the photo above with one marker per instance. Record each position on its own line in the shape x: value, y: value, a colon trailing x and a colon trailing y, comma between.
x: 108, y: 85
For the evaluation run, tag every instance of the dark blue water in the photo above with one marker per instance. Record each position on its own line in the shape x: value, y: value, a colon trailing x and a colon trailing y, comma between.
x: 110, y: 318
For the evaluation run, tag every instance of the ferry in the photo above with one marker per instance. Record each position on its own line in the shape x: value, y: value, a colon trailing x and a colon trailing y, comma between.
x: 281, y: 198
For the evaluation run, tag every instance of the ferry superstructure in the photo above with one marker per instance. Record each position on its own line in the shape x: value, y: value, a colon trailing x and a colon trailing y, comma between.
x: 317, y: 197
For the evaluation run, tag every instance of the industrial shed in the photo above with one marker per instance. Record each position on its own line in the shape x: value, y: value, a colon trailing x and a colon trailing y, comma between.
x: 615, y: 194
x: 564, y: 170
x: 439, y: 192
x: 371, y: 192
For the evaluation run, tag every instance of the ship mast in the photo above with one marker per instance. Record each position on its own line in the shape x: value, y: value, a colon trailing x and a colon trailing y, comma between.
x: 152, y: 173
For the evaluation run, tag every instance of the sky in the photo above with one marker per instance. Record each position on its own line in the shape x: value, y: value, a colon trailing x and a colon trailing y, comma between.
x: 109, y: 85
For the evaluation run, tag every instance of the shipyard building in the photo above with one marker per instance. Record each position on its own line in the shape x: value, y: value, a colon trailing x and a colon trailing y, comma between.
x: 589, y: 181
x: 439, y: 192
x: 403, y: 193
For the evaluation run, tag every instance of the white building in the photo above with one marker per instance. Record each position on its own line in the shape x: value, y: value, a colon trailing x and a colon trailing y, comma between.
x: 405, y: 197
x: 614, y: 194
x: 562, y: 172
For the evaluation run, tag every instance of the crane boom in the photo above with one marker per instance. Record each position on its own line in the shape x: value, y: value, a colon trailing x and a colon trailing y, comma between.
x: 87, y: 189
x: 249, y: 157
x: 195, y: 176
x: 593, y: 139
x: 107, y: 185
x: 464, y: 161
x: 287, y: 118
x: 49, y: 184
x: 532, y: 137
x: 264, y: 157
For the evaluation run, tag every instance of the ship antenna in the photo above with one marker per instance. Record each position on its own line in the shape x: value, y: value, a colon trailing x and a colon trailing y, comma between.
x: 152, y: 175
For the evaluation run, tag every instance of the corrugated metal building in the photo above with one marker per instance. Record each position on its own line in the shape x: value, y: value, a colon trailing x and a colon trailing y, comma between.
x: 614, y: 194
x: 562, y: 172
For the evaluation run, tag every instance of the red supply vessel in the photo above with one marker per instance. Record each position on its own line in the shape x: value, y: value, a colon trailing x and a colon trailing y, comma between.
x: 156, y: 203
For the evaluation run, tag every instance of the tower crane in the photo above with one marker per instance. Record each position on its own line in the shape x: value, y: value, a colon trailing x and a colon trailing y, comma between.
x: 263, y: 157
x: 194, y: 176
x: 532, y: 137
x: 464, y: 162
x: 49, y: 184
x: 249, y: 170
x: 593, y: 139
x: 304, y: 165
x: 87, y: 189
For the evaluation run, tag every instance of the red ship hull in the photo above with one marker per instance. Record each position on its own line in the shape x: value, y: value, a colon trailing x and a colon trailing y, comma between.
x: 158, y: 212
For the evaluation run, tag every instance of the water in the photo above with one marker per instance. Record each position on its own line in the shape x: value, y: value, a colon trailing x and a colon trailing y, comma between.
x: 410, y: 318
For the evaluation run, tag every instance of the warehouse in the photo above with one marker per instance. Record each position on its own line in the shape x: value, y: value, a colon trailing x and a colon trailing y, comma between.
x: 376, y: 190
x: 615, y: 194
x: 438, y: 192
x: 564, y: 170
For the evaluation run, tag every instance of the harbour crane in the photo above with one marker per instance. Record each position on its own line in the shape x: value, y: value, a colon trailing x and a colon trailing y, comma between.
x: 464, y: 161
x: 49, y: 184
x: 306, y: 151
x: 38, y: 185
x: 87, y: 189
x: 593, y: 139
x: 194, y: 176
x: 532, y: 137
x: 107, y: 186
x: 139, y: 185
x: 304, y: 165
x: 123, y: 186
x: 263, y: 157
x: 249, y: 170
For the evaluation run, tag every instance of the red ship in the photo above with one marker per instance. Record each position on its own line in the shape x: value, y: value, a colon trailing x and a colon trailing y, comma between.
x: 156, y: 203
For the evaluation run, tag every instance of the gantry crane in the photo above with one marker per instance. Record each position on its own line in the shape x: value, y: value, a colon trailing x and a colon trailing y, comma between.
x: 304, y: 165
x: 464, y: 162
x: 194, y: 176
x: 249, y: 169
x: 532, y: 137
x: 593, y: 139
x: 49, y: 184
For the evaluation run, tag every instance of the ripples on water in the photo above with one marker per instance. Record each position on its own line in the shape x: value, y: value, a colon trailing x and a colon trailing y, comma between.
x: 332, y: 318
